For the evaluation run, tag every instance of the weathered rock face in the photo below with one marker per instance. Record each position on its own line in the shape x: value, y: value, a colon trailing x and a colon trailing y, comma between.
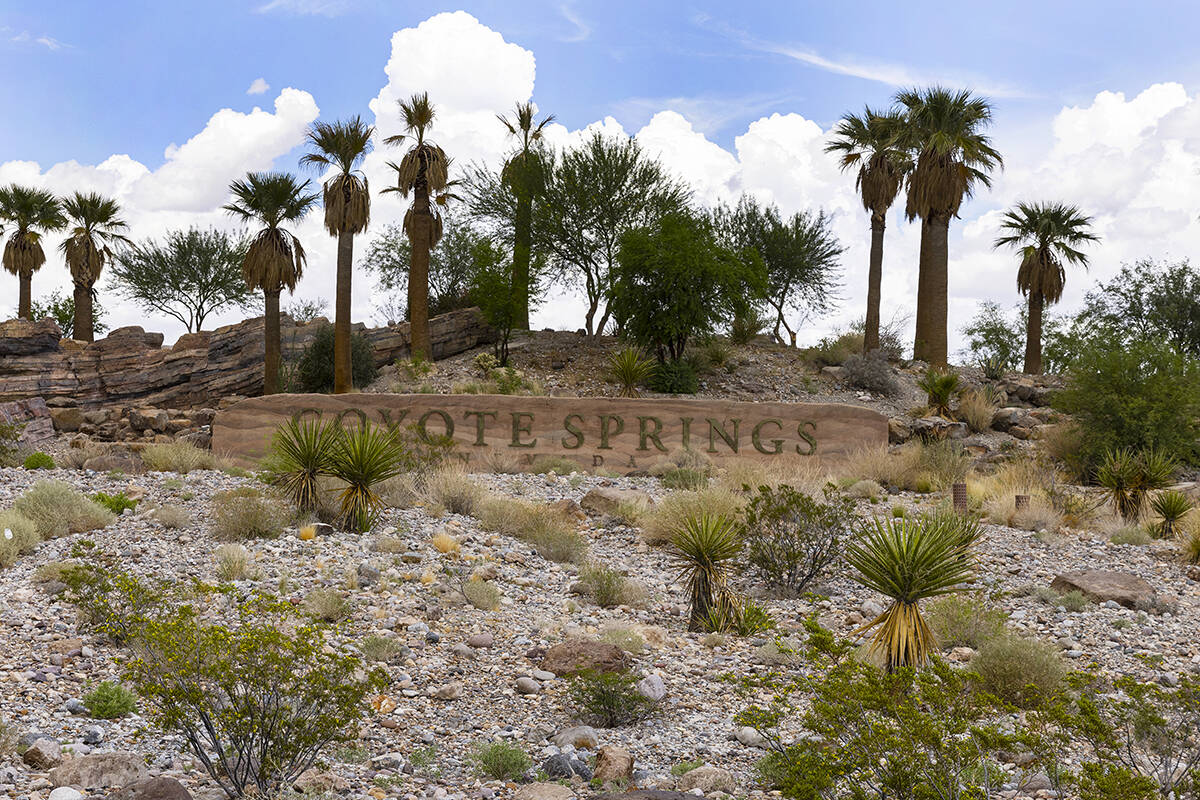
x: 578, y: 654
x: 32, y: 416
x: 1102, y: 585
x: 131, y: 367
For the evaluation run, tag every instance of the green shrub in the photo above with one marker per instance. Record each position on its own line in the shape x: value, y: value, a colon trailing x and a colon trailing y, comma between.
x: 791, y: 538
x: 607, y: 586
x: 314, y: 372
x: 178, y: 456
x: 39, y: 460
x: 963, y: 621
x: 500, y: 760
x: 563, y: 545
x: 608, y: 699
x: 245, y: 513
x: 675, y: 377
x: 684, y: 767
x: 116, y: 502
x: 110, y: 700
x: 1128, y: 477
x: 834, y: 351
x: 940, y: 387
x: 1137, y: 395
x: 1074, y: 601
x: 1020, y: 670
x: 379, y: 648
x: 18, y: 536
x: 56, y: 508
x: 871, y: 373
x: 629, y: 369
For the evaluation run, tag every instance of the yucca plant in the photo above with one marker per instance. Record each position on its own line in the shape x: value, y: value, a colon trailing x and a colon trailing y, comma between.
x: 301, y: 452
x: 744, y: 618
x: 364, y: 458
x: 630, y: 370
x: 704, y: 550
x: 908, y: 561
x: 1129, y: 476
x: 940, y: 386
x: 1171, y: 506
x: 993, y: 367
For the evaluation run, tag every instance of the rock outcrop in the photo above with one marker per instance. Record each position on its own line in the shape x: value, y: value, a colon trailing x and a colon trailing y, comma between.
x: 130, y: 367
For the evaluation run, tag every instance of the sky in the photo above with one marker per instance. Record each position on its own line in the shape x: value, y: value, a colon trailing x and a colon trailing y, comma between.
x: 162, y: 104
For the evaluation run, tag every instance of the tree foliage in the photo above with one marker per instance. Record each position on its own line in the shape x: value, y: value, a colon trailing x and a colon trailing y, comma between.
x: 452, y: 266
x: 61, y: 309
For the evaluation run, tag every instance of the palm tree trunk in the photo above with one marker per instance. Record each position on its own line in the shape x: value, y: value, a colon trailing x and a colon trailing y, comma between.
x: 83, y: 331
x: 874, y: 281
x: 1033, y: 335
x: 418, y: 276
x: 930, y: 342
x: 271, y: 342
x: 343, y: 376
x: 522, y: 250
x: 25, y: 297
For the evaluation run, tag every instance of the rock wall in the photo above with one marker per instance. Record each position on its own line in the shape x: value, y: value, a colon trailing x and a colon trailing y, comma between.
x: 131, y: 367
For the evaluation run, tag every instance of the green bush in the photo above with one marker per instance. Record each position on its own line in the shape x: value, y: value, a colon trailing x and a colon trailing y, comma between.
x: 18, y: 536
x: 116, y: 503
x: 56, y: 508
x: 364, y: 458
x: 484, y: 595
x: 1141, y: 395
x: 314, y: 372
x: 791, y: 538
x: 963, y: 621
x: 607, y: 586
x: 609, y: 699
x: 110, y: 700
x: 38, y: 460
x: 1128, y: 477
x: 940, y: 387
x: 1020, y: 670
x: 501, y: 761
x: 675, y: 377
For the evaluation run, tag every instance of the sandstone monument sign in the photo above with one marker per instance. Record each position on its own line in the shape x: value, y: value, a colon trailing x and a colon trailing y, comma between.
x: 615, y: 433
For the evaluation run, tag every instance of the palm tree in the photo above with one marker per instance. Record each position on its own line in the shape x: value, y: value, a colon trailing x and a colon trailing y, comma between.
x: 342, y: 146
x: 943, y: 129
x: 424, y: 172
x: 1048, y: 235
x: 32, y: 213
x: 869, y: 142
x: 525, y: 174
x: 275, y: 259
x: 96, y: 224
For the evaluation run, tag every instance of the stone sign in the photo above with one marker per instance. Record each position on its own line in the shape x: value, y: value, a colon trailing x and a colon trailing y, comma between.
x: 615, y: 433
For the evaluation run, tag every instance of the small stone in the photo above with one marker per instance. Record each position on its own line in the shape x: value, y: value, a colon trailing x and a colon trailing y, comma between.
x: 750, y: 737
x: 544, y: 791
x: 613, y: 764
x: 451, y: 691
x: 652, y: 688
x: 93, y: 734
x: 708, y: 779
x: 480, y: 640
x: 579, y: 736
x: 528, y: 686
x: 66, y: 793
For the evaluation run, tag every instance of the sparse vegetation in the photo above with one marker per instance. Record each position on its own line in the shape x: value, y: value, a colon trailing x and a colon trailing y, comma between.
x: 454, y: 490
x: 484, y: 595
x: 791, y: 539
x: 116, y: 502
x: 608, y: 699
x: 246, y: 513
x: 327, y: 605
x: 233, y: 562
x: 963, y: 621
x: 501, y: 761
x: 110, y: 700
x: 18, y: 536
x: 1020, y: 670
x: 38, y: 460
x: 178, y: 456
x: 673, y: 511
x: 57, y: 509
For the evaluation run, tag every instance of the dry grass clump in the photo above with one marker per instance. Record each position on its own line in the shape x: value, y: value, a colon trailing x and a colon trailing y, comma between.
x: 1019, y: 669
x: 996, y: 494
x: 54, y: 571
x: 171, y: 517
x: 624, y: 637
x: 559, y: 465
x: 402, y: 491
x: 391, y: 544
x: 806, y: 475
x: 1130, y: 534
x: 18, y: 536
x: 377, y: 649
x: 233, y: 562
x: 898, y: 468
x: 444, y: 543
x: 609, y: 587
x: 178, y: 456
x: 977, y: 410
x: 963, y: 621
x: 76, y: 457
x: 1063, y: 442
x: 327, y: 605
x: 673, y: 511
x: 484, y: 595
x: 865, y: 490
x: 454, y: 490
x: 1039, y: 515
x: 1187, y: 535
x: 246, y: 513
x: 56, y: 509
x: 548, y: 529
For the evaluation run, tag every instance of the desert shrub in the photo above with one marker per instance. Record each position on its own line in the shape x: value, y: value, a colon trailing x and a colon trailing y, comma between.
x: 670, y: 513
x: 172, y: 517
x: 559, y: 465
x: 38, y: 460
x: 314, y: 371
x: 1170, y: 506
x: 57, y: 508
x: 18, y: 535
x: 563, y: 545
x: 629, y: 369
x: 608, y: 699
x: 1136, y: 395
x: 793, y: 539
x: 963, y: 621
x: 738, y: 616
x: 116, y: 502
x: 1128, y: 477
x: 1130, y: 534
x: 364, y: 458
x: 1020, y: 670
x: 178, y: 456
x: 444, y: 543
x: 976, y: 409
x: 1073, y: 601
x: 51, y: 571
x: 704, y: 550
x: 76, y: 457
x: 684, y: 478
x: 944, y: 462
x: 834, y: 351
x: 484, y: 595
x: 675, y: 377
x: 864, y: 490
x: 246, y: 513
x: 110, y: 700
x: 607, y: 586
x: 500, y: 760
x: 871, y: 373
x: 454, y: 490
x: 233, y: 562
x: 537, y: 523
x: 327, y: 605
x: 940, y: 387
x: 377, y: 649
x: 625, y: 638
x: 10, y: 443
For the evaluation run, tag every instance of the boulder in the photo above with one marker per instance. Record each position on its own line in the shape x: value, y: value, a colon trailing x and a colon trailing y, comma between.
x: 899, y: 430
x: 101, y: 771
x: 43, y: 754
x: 1101, y: 586
x: 148, y: 419
x: 1004, y: 419
x: 708, y: 779
x: 66, y: 420
x: 31, y: 415
x: 318, y: 782
x: 613, y: 764
x: 578, y: 654
x: 154, y: 789
x: 652, y: 688
x: 544, y: 791
x: 607, y: 500
x: 581, y: 737
x: 128, y: 463
x: 935, y: 427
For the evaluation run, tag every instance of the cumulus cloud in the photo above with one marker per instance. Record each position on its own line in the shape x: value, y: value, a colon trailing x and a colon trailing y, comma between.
x: 258, y: 86
x: 1132, y: 162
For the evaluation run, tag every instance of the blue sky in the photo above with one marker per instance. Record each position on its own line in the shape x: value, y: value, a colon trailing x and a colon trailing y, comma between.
x: 163, y: 103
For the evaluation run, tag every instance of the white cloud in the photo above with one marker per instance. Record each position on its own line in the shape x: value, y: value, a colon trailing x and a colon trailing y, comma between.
x: 258, y: 86
x: 48, y: 42
x: 322, y: 8
x: 581, y: 30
